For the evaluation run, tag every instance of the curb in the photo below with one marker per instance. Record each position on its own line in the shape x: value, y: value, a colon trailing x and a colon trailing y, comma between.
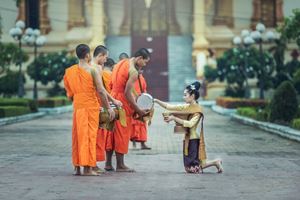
x: 223, y: 111
x: 21, y: 118
x: 42, y: 112
x: 58, y: 110
x: 207, y: 103
x: 281, y: 130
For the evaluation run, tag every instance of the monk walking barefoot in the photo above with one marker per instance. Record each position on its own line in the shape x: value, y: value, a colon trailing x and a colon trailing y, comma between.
x: 82, y: 83
x: 124, y: 75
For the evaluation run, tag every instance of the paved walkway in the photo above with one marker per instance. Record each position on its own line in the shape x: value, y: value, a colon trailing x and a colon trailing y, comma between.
x: 35, y: 164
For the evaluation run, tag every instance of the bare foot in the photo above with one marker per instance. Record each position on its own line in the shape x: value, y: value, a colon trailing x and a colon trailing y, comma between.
x: 219, y: 166
x: 145, y: 147
x: 98, y: 170
x: 77, y: 171
x: 109, y: 168
x: 134, y: 144
x: 125, y: 169
x: 90, y: 173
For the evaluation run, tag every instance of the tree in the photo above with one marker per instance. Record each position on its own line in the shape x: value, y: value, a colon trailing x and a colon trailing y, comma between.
x: 238, y: 65
x: 292, y: 66
x: 0, y: 27
x: 9, y: 54
x: 51, y: 68
x: 291, y: 27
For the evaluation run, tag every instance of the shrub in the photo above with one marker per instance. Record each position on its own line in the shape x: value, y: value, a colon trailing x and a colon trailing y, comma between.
x: 228, y: 102
x: 296, y: 123
x: 53, y: 102
x: 234, y: 91
x: 247, y: 112
x: 19, y: 102
x: 10, y: 111
x: 263, y: 114
x: 296, y: 81
x: 9, y: 83
x: 210, y: 73
x: 284, y: 105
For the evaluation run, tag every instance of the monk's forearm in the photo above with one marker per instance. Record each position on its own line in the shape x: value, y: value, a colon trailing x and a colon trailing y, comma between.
x: 109, y: 96
x: 104, y: 99
x: 131, y: 100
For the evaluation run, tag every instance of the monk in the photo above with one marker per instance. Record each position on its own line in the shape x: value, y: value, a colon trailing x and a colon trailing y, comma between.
x: 109, y: 142
x: 123, y: 56
x: 106, y: 74
x: 124, y: 75
x: 99, y: 58
x: 139, y: 133
x: 82, y: 83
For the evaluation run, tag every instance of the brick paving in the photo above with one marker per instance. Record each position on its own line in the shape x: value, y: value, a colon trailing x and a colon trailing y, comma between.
x: 35, y: 164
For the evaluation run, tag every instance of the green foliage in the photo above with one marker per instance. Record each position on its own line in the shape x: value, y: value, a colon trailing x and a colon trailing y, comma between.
x: 19, y: 102
x: 247, y: 112
x: 254, y: 113
x: 51, y: 68
x: 292, y: 66
x: 296, y: 81
x: 0, y: 26
x: 263, y: 114
x: 9, y: 83
x: 291, y: 27
x: 232, y: 91
x: 237, y: 65
x: 296, y: 123
x: 10, y: 111
x: 284, y: 104
x: 279, y: 78
x: 278, y: 52
x: 10, y: 54
x: 210, y: 73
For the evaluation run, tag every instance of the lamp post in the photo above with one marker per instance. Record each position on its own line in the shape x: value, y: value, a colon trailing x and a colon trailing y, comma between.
x: 148, y: 6
x: 260, y: 38
x: 17, y: 33
x: 34, y: 38
x: 244, y: 42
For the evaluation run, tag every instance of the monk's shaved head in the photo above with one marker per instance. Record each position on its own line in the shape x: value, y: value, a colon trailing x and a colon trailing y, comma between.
x: 142, y: 52
x: 100, y: 50
x: 123, y: 56
x: 82, y: 50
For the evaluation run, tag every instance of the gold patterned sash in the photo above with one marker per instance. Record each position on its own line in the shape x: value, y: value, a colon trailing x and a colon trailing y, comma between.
x: 189, y: 112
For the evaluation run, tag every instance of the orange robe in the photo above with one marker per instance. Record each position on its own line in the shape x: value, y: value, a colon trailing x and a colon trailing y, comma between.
x: 120, y: 75
x: 106, y: 77
x: 139, y: 133
x: 104, y: 137
x: 79, y: 85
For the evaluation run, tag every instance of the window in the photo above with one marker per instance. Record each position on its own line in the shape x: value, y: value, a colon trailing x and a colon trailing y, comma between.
x: 32, y: 13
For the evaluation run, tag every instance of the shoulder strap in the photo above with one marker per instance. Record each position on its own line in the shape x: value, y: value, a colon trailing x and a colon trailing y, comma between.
x: 93, y: 73
x: 140, y: 84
